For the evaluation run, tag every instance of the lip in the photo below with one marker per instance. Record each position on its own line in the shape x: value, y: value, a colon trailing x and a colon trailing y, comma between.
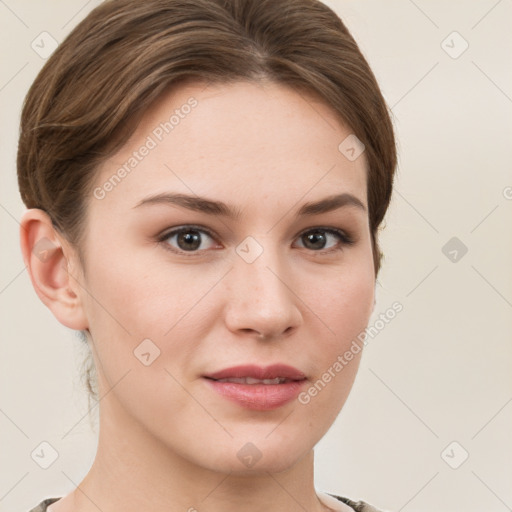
x: 259, y: 372
x: 258, y: 397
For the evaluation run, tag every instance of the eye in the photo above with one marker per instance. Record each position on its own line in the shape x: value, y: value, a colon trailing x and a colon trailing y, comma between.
x: 316, y: 239
x: 194, y: 240
x: 188, y: 239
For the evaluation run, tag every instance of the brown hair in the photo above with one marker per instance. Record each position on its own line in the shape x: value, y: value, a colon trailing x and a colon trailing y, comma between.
x: 95, y: 87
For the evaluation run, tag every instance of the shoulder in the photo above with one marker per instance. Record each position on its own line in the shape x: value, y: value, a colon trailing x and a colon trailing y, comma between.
x: 44, y: 505
x: 357, y: 506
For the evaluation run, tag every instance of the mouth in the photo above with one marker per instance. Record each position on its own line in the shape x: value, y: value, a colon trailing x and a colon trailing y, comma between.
x: 252, y: 380
x: 263, y: 374
x: 258, y: 388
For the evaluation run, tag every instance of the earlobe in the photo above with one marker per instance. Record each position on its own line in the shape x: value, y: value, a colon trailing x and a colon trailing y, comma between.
x: 47, y: 257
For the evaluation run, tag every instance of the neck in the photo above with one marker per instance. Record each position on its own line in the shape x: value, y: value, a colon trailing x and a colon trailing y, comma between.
x: 134, y: 471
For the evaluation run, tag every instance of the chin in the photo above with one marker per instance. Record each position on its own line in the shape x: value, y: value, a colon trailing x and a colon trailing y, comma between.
x: 248, y: 458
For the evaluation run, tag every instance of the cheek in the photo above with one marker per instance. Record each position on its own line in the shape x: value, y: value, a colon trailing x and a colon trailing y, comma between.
x: 337, y: 364
x: 135, y: 295
x: 136, y: 308
x: 138, y: 317
x: 343, y: 301
x: 343, y: 305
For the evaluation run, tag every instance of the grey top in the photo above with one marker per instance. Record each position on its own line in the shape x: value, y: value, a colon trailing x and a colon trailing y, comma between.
x: 358, y: 506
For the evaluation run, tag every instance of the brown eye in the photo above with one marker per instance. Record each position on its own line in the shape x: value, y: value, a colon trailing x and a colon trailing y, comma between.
x: 318, y: 238
x: 188, y: 239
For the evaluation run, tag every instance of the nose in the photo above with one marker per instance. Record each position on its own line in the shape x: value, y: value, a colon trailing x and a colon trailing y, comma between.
x: 261, y: 301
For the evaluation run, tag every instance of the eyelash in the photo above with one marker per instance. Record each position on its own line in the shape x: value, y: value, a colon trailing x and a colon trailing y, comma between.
x: 345, y: 239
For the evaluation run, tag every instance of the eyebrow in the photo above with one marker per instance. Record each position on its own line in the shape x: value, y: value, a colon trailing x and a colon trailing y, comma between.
x: 209, y: 206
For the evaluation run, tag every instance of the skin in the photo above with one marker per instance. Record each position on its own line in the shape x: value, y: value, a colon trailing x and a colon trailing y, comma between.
x: 166, y: 439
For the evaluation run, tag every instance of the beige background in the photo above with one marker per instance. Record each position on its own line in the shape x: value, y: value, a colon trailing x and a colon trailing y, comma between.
x: 438, y: 373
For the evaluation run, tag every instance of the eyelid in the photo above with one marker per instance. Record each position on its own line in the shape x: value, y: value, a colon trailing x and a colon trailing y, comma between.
x: 168, y: 231
x: 330, y: 229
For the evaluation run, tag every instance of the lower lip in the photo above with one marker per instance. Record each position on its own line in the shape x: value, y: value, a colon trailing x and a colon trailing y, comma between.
x: 258, y: 397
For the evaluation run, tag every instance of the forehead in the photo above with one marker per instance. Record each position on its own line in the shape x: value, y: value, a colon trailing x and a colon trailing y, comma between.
x: 239, y: 142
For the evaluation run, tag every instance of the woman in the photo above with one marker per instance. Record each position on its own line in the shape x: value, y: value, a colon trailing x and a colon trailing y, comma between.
x: 205, y: 181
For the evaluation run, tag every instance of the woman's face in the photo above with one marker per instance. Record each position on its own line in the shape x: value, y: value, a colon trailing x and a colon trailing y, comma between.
x: 271, y: 283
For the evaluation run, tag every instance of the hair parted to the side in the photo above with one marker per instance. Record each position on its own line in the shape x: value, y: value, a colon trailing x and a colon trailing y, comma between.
x: 90, y: 94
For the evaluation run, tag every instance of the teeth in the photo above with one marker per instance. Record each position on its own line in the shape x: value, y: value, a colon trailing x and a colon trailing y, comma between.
x: 251, y: 380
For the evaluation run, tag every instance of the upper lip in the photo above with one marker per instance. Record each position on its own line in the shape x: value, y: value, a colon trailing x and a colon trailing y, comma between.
x: 258, y: 372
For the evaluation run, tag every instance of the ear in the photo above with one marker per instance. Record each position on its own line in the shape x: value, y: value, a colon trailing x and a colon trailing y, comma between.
x: 53, y: 267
